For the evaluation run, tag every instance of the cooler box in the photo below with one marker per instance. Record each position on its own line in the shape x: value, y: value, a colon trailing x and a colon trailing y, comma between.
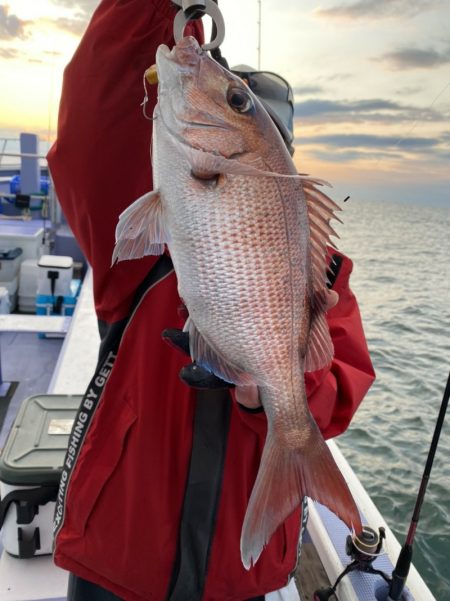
x: 28, y: 283
x: 27, y: 235
x: 5, y: 303
x: 48, y: 304
x: 55, y: 275
x: 55, y: 305
x: 11, y: 286
x: 10, y: 259
x: 30, y: 469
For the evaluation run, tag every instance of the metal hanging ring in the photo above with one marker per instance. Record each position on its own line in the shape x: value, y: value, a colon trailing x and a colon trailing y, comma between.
x: 211, y: 9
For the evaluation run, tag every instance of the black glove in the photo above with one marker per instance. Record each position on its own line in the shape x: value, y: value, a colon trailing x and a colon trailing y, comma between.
x: 193, y: 375
x: 333, y: 269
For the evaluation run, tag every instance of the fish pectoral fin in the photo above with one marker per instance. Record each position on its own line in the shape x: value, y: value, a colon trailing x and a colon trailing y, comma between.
x: 285, y: 476
x: 203, y: 353
x: 212, y: 164
x: 141, y: 229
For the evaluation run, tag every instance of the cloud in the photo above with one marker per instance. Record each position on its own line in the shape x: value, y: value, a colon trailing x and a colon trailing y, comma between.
x: 370, y: 110
x: 346, y: 148
x: 350, y: 148
x: 10, y: 25
x: 76, y: 26
x: 377, y: 9
x: 311, y: 89
x: 84, y: 8
x: 339, y: 155
x: 8, y: 53
x: 414, y: 58
x: 409, y: 90
x: 369, y: 141
x: 313, y: 107
x: 81, y: 10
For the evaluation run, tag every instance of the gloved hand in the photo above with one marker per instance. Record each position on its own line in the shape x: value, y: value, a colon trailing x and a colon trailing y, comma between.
x: 333, y: 270
x: 197, y: 376
x: 193, y: 375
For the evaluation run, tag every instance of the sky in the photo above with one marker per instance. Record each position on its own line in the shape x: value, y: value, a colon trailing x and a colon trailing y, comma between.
x: 371, y: 82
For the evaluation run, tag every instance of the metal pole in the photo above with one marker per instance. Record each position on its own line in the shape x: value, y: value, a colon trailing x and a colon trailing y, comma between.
x: 259, y: 35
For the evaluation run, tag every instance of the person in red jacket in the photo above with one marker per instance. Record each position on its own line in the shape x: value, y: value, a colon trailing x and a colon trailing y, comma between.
x: 158, y: 474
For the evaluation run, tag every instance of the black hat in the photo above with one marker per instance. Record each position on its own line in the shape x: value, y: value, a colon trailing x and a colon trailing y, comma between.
x: 276, y: 96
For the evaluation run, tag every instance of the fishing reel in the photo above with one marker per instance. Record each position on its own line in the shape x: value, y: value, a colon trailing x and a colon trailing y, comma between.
x: 363, y: 548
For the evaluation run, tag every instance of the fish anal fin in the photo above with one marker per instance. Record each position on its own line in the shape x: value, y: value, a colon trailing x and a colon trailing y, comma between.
x: 320, y: 349
x: 286, y: 476
x: 141, y: 229
x: 205, y: 355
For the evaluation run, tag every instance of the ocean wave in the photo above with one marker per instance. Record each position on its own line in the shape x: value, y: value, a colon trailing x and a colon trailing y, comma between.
x: 401, y: 279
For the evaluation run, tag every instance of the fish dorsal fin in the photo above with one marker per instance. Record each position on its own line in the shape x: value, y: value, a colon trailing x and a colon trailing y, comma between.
x: 321, y: 209
x: 203, y: 353
x: 141, y: 229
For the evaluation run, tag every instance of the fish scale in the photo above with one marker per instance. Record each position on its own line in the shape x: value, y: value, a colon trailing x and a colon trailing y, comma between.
x: 248, y: 237
x: 242, y: 277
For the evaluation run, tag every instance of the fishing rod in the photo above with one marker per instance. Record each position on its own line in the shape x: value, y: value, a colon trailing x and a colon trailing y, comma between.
x: 400, y: 573
x: 366, y: 547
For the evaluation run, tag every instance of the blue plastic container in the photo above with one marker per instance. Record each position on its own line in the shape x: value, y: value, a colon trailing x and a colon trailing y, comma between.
x: 46, y: 304
x: 14, y: 184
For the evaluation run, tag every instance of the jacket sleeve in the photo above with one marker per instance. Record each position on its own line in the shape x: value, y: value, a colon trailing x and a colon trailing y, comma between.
x: 335, y: 392
x: 100, y: 162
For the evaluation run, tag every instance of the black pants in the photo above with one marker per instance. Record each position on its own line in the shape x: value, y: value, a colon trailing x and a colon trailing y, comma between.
x: 82, y: 590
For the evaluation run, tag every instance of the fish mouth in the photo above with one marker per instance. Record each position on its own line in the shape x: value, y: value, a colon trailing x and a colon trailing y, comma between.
x: 175, y: 67
x: 186, y: 54
x: 184, y: 76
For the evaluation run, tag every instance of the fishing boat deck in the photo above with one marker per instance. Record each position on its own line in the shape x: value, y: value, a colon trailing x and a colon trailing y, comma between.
x: 31, y: 361
x: 310, y: 574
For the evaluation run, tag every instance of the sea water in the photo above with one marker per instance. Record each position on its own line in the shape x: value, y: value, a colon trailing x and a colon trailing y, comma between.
x: 401, y: 277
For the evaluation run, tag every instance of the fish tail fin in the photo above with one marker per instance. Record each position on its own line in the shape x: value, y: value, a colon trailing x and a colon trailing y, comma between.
x: 285, y: 476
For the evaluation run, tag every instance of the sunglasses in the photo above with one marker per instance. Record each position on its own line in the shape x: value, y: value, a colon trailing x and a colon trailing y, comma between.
x: 277, y: 97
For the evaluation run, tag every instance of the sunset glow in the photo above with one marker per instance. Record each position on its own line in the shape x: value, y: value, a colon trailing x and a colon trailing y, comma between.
x: 371, y: 80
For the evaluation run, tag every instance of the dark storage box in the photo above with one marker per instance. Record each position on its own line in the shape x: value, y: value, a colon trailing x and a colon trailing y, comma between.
x: 30, y: 469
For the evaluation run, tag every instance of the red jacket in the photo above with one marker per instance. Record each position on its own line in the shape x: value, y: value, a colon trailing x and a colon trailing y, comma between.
x: 126, y: 487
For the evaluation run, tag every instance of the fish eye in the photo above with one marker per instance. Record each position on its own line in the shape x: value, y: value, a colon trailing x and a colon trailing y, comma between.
x: 240, y: 100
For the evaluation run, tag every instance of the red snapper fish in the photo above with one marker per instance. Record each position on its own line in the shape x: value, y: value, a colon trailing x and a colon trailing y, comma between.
x: 247, y: 236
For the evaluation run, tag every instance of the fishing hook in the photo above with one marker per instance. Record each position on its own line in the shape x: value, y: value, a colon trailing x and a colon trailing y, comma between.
x: 144, y: 102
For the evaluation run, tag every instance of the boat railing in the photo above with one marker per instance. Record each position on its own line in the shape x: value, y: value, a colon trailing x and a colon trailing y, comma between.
x: 27, y: 161
x: 4, y: 143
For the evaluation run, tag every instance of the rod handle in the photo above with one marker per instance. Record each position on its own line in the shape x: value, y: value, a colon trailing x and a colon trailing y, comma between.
x: 400, y: 573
